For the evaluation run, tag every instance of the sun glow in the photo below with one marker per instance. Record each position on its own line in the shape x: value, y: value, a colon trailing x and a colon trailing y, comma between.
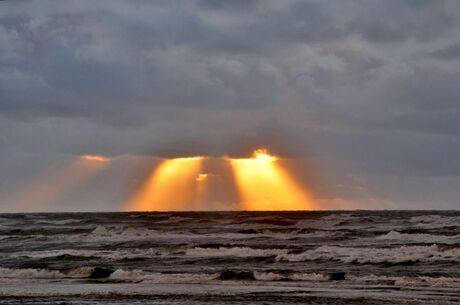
x: 97, y: 158
x: 262, y: 155
x: 264, y: 185
x: 175, y: 184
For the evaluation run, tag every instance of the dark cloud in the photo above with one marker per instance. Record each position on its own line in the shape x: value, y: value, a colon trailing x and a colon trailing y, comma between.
x: 228, y: 5
x: 447, y: 53
x: 399, y: 21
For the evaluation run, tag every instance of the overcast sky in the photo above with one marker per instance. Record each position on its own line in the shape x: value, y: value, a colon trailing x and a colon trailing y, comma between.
x: 364, y: 94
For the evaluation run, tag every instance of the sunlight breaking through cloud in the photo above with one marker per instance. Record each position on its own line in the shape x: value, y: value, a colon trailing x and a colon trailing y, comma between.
x: 261, y: 183
x: 173, y: 185
x: 264, y: 184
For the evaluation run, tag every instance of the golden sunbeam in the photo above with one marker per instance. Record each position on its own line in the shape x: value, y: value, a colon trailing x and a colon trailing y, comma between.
x: 173, y: 185
x: 54, y: 183
x: 201, y: 190
x: 264, y: 185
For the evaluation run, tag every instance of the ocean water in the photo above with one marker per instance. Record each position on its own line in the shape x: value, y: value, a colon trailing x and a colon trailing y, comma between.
x: 358, y: 257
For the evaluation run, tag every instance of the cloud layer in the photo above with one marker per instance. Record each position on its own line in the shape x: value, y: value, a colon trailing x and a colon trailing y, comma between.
x: 364, y: 92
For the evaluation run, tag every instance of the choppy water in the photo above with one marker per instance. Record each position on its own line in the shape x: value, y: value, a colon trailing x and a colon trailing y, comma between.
x: 389, y: 257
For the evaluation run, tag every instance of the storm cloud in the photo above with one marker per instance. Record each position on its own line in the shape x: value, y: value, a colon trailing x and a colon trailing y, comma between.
x: 363, y: 92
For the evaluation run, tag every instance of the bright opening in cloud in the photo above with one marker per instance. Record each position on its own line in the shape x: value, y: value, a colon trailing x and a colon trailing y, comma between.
x: 97, y: 158
x: 264, y: 185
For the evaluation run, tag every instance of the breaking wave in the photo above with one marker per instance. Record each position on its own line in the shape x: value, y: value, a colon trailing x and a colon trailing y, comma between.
x: 59, y: 222
x: 435, y: 221
x: 405, y: 281
x: 404, y: 254
x: 86, y: 253
x: 33, y: 273
x: 274, y: 276
x: 420, y: 238
x: 234, y: 251
x: 377, y: 252
x: 325, y: 222
x: 140, y: 275
x: 157, y: 277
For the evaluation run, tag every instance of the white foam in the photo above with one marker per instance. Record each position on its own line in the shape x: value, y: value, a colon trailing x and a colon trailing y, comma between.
x: 405, y: 281
x: 139, y: 275
x: 80, y: 272
x: 234, y: 251
x: 419, y: 238
x: 175, y: 219
x: 325, y: 222
x: 121, y: 233
x: 237, y: 235
x: 268, y: 276
x: 274, y: 276
x: 32, y: 273
x: 308, y: 277
x: 107, y: 231
x: 363, y: 255
x: 106, y: 254
x: 59, y: 222
x: 435, y: 221
x: 295, y: 234
x: 54, y: 253
x: 29, y: 273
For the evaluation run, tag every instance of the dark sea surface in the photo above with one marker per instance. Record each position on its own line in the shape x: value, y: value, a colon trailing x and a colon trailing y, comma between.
x: 357, y: 257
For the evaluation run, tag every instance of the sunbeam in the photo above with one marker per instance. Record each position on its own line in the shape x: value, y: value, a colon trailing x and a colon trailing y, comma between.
x: 175, y: 184
x: 55, y: 182
x: 264, y: 185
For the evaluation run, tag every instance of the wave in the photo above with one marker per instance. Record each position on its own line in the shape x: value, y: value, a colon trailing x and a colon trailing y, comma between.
x: 176, y: 219
x: 140, y: 275
x: 135, y: 253
x: 325, y: 222
x: 405, y: 281
x: 419, y: 238
x: 56, y: 253
x: 33, y: 273
x: 234, y: 251
x: 299, y: 234
x: 59, y: 222
x: 114, y: 255
x: 275, y: 276
x: 404, y: 254
x: 309, y: 277
x: 435, y: 221
x: 109, y: 230
x: 136, y: 275
x: 122, y: 233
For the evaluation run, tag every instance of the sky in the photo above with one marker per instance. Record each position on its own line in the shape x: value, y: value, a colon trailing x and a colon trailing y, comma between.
x: 363, y: 95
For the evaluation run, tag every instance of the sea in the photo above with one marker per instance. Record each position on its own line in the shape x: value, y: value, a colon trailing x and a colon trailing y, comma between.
x: 309, y: 257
